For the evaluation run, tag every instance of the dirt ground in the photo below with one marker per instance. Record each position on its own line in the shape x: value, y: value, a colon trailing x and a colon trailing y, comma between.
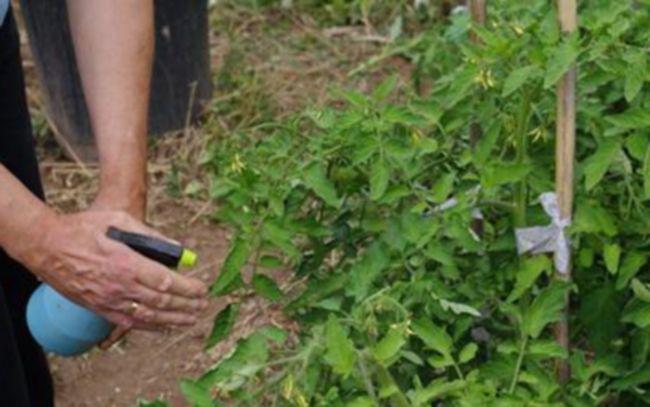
x: 291, y: 62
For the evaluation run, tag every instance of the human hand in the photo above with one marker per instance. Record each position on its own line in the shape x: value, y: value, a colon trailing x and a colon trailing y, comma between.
x: 74, y: 256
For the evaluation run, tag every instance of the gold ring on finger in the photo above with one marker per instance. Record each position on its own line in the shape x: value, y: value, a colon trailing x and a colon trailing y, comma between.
x: 133, y: 307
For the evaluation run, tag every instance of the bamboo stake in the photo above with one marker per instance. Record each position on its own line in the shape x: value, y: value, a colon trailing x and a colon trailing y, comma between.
x: 478, y: 12
x: 564, y: 159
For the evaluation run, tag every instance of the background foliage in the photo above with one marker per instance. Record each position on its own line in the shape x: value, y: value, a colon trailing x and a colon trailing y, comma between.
x: 403, y: 296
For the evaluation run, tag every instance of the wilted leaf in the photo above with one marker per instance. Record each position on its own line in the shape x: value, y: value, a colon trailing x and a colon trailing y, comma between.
x: 222, y: 324
x: 340, y: 353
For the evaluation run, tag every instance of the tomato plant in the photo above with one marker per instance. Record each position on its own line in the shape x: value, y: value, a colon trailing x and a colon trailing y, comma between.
x: 403, y: 299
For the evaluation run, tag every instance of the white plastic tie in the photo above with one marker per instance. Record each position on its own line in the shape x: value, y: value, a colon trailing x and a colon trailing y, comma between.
x: 547, y: 239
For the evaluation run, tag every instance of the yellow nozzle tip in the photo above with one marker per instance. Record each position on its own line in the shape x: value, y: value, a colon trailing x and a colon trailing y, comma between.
x: 188, y: 258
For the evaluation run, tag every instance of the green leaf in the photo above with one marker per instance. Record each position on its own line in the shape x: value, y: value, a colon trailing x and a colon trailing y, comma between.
x: 362, y: 401
x: 230, y: 276
x: 527, y: 274
x: 443, y: 187
x: 634, y: 379
x: 632, y: 263
x: 504, y: 173
x: 545, y: 309
x: 596, y: 166
x: 266, y: 287
x: 340, y: 353
x: 245, y: 361
x: 646, y: 174
x: 517, y: 79
x: 637, y: 145
x: 274, y: 334
x: 467, y: 353
x: 271, y: 262
x: 366, y: 270
x: 612, y: 255
x: 641, y: 291
x: 547, y: 349
x: 379, y: 177
x: 486, y: 144
x: 640, y: 348
x: 195, y: 394
x: 562, y: 59
x: 631, y: 119
x: 223, y: 323
x: 315, y: 178
x: 600, y: 312
x: 637, y: 312
x: 435, y: 390
x: 384, y: 89
x: 635, y: 74
x: 389, y: 345
x: 433, y: 337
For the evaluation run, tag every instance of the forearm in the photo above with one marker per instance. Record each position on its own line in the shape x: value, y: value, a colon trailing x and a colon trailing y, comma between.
x: 114, y: 47
x: 22, y: 215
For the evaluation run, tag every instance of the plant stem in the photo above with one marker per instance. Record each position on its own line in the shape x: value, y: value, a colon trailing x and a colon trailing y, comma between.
x: 520, y: 360
x: 521, y: 140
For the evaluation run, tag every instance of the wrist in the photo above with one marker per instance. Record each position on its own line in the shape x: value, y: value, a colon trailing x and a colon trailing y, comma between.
x: 31, y: 241
x: 131, y: 199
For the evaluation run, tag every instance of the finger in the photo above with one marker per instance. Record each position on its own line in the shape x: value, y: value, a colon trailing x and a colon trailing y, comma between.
x: 161, y: 279
x: 147, y: 317
x: 167, y: 302
x: 153, y: 275
x: 115, y: 335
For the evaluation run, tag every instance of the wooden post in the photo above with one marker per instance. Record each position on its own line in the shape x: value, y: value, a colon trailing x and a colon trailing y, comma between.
x: 564, y: 159
x: 478, y: 11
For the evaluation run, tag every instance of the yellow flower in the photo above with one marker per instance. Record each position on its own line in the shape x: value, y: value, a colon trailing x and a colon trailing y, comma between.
x: 237, y: 165
x: 518, y: 28
x: 485, y: 78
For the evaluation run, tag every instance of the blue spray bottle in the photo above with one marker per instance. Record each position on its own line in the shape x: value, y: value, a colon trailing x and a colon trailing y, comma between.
x: 65, y: 328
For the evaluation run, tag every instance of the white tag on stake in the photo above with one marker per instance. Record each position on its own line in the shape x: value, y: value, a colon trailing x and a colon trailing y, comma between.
x: 547, y: 239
